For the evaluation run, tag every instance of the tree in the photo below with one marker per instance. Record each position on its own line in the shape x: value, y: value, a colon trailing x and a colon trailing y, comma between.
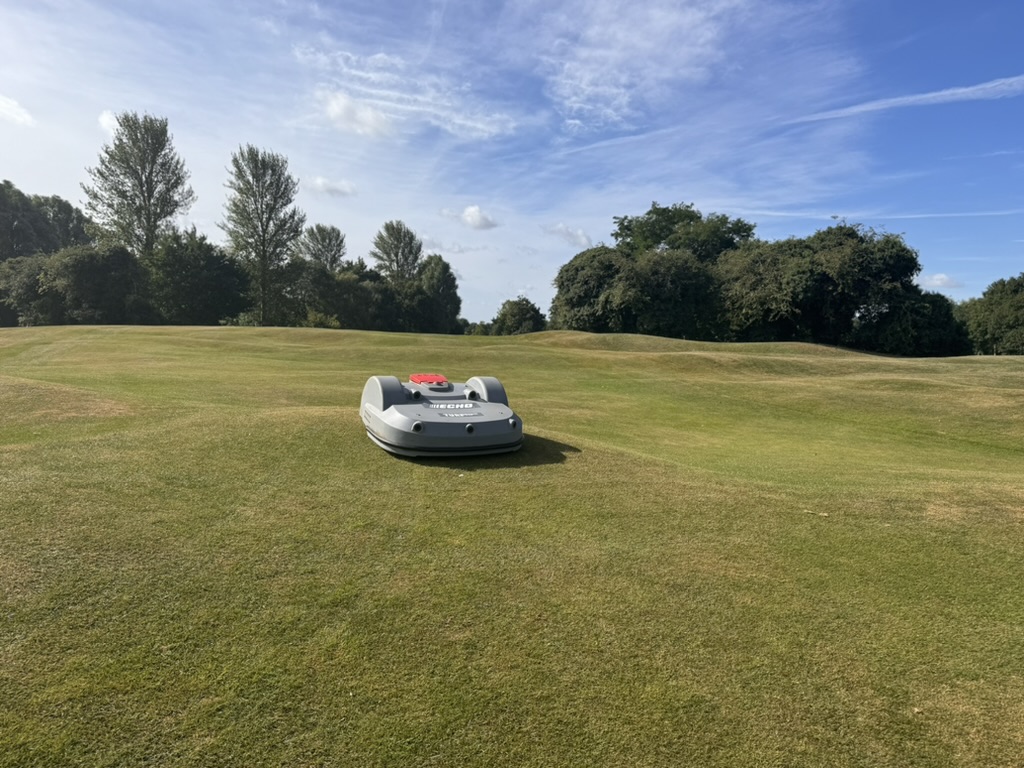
x: 517, y: 316
x: 397, y: 251
x: 98, y: 285
x: 671, y: 293
x: 23, y: 301
x: 323, y: 244
x: 194, y: 282
x: 35, y: 224
x: 139, y: 185
x: 761, y: 284
x: 439, y: 309
x: 583, y: 292
x: 262, y: 224
x: 680, y: 227
x: 995, y: 321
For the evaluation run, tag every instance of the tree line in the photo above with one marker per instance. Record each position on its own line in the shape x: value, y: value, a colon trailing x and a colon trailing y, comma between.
x: 675, y: 272
x: 671, y: 271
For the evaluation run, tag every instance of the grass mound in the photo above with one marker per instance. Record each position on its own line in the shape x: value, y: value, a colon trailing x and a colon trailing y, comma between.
x: 703, y: 554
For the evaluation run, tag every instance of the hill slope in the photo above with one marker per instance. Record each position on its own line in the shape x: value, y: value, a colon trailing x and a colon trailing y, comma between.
x: 715, y: 555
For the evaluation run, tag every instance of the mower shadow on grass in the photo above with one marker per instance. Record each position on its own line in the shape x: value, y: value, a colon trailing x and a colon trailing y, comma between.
x: 536, y: 451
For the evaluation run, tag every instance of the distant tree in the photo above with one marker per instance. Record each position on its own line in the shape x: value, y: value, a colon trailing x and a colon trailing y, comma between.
x: 843, y: 285
x: 194, y: 282
x: 680, y: 227
x: 262, y: 224
x: 68, y: 226
x: 439, y: 309
x: 35, y: 224
x: 139, y: 185
x: 323, y: 244
x: 583, y: 296
x: 762, y: 285
x: 671, y: 293
x: 916, y: 324
x: 397, y: 251
x: 517, y: 316
x: 98, y: 285
x: 23, y: 300
x: 995, y: 321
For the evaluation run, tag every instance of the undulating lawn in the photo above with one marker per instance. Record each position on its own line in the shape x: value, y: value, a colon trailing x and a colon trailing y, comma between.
x: 707, y: 555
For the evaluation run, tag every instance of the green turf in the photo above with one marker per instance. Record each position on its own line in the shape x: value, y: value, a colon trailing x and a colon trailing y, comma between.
x: 708, y: 555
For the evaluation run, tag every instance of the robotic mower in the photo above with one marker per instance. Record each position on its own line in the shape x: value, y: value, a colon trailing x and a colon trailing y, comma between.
x: 431, y: 416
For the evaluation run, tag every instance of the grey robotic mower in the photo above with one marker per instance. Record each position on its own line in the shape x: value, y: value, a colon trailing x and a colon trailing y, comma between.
x: 431, y: 416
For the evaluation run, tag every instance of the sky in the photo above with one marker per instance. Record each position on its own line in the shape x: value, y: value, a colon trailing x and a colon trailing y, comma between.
x: 508, y: 134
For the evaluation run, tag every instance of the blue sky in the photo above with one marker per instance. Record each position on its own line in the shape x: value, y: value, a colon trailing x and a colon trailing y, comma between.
x: 508, y: 134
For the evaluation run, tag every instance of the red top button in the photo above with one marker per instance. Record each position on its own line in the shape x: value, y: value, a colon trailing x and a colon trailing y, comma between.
x: 428, y: 378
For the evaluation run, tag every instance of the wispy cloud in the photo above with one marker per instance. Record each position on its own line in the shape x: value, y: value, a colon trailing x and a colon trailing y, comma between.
x: 379, y: 94
x: 595, y: 55
x: 13, y: 112
x: 1004, y: 88
x: 575, y: 237
x: 954, y: 214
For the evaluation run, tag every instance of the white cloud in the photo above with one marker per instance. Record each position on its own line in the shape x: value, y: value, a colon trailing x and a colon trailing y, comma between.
x: 108, y: 122
x: 576, y: 237
x: 938, y: 281
x: 474, y: 218
x: 324, y: 186
x: 1003, y: 88
x: 355, y: 117
x: 12, y: 111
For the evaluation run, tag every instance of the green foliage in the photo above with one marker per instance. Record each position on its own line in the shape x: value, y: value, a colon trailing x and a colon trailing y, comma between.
x: 583, y: 291
x: 680, y: 227
x: 139, y: 185
x: 397, y: 251
x: 98, y: 285
x: 194, y: 282
x: 262, y: 224
x: 23, y: 300
x: 995, y: 321
x: 518, y: 316
x: 438, y: 311
x: 35, y: 224
x: 323, y: 244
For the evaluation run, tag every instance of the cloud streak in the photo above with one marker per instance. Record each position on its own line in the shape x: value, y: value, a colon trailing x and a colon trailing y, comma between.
x: 13, y: 112
x: 1004, y: 88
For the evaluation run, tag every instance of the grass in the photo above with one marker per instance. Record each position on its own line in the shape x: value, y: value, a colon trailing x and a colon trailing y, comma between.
x: 735, y: 555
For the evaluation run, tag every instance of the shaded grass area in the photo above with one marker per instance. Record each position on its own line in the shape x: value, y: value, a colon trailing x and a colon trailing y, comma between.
x: 707, y: 555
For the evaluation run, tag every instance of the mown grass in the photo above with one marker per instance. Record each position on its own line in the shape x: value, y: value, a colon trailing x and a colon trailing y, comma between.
x: 742, y: 555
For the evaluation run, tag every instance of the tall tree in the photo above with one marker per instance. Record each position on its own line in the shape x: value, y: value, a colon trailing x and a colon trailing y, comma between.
x: 261, y: 223
x: 441, y: 305
x: 139, y: 185
x: 397, y: 251
x: 323, y: 244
